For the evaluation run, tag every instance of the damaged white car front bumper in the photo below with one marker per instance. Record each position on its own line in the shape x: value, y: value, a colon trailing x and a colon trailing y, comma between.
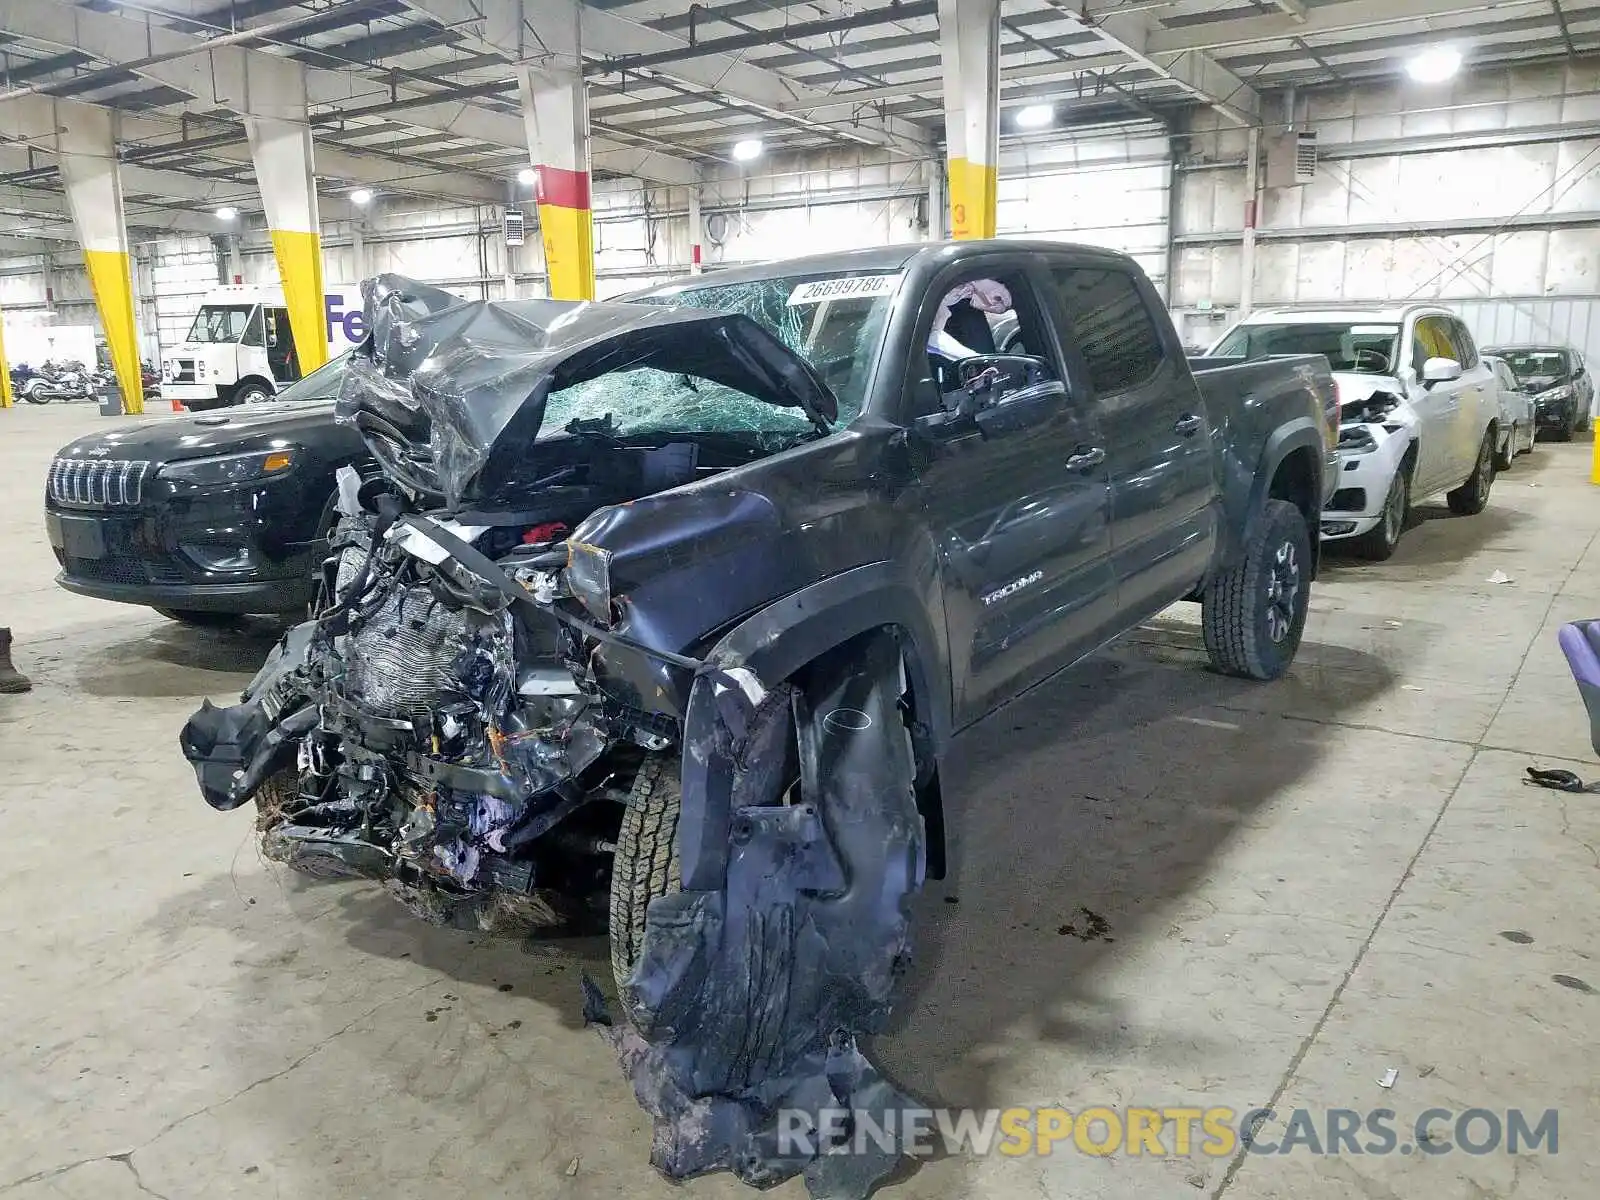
x: 1370, y: 455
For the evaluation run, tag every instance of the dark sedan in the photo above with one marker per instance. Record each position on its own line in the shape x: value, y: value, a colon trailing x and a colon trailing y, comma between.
x: 1559, y: 382
x: 206, y: 517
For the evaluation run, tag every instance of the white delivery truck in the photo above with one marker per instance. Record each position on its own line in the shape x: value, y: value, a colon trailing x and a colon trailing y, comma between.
x: 240, y: 349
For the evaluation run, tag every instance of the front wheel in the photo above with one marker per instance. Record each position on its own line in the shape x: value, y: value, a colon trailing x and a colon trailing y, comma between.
x: 1472, y: 497
x: 1378, y: 543
x: 1253, y: 614
x: 645, y: 864
x: 252, y: 393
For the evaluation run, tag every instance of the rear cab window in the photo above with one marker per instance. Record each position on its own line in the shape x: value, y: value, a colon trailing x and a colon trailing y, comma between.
x: 1111, y: 324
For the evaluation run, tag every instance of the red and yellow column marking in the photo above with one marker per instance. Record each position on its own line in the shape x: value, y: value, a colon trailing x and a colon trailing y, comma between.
x: 566, y: 226
x: 555, y: 114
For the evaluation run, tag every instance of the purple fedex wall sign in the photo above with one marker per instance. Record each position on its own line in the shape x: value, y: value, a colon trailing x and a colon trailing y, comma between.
x: 345, y: 323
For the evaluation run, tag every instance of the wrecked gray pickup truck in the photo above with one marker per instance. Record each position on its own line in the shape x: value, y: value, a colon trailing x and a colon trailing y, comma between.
x: 662, y: 614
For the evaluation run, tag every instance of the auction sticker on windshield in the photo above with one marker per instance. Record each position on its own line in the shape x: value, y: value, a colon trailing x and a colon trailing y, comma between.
x: 849, y: 287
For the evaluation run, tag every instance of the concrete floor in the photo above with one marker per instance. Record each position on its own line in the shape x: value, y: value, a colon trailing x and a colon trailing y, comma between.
x: 1304, y: 885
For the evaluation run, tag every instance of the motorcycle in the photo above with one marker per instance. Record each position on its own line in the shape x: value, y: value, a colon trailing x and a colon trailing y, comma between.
x: 57, y: 381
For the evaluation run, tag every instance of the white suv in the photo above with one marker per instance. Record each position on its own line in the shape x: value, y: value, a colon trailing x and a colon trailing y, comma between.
x: 1419, y: 410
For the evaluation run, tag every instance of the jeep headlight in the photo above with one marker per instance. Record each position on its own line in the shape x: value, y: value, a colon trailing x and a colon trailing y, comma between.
x: 1357, y: 439
x: 589, y: 578
x: 230, y: 468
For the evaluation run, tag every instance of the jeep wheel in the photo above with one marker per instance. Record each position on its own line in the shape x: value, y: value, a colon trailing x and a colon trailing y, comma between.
x: 1473, y: 496
x: 1378, y: 543
x: 1253, y: 615
x: 646, y: 862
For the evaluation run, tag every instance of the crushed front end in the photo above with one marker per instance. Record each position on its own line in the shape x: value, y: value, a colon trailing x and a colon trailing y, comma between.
x: 523, y: 674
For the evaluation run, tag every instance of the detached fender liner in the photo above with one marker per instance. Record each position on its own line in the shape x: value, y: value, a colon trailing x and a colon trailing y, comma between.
x: 748, y: 1000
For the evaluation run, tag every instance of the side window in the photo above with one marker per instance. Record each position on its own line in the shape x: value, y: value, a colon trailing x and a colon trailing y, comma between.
x: 1466, y: 350
x: 976, y: 313
x: 254, y: 335
x: 1111, y: 326
x: 1577, y: 365
x: 1431, y: 340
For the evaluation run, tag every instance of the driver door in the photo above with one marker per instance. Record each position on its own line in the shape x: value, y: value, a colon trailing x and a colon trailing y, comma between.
x: 1019, y: 514
x: 1438, y: 406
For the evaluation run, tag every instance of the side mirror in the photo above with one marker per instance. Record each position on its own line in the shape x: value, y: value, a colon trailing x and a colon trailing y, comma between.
x: 1440, y: 370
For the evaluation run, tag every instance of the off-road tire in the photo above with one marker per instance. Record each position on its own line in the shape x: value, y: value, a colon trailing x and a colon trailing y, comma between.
x: 1502, y: 462
x: 1472, y: 497
x: 199, y: 618
x: 1378, y: 543
x: 1241, y: 606
x: 646, y: 861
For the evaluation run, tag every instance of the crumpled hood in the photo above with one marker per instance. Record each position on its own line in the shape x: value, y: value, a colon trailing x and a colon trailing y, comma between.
x: 1355, y: 387
x: 1540, y: 383
x: 449, y: 393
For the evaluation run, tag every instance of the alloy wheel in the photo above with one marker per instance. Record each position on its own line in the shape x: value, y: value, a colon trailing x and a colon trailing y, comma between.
x: 1283, y: 591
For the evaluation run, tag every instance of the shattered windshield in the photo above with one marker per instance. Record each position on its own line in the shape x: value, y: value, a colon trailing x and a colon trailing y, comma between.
x: 833, y: 320
x: 1357, y: 349
x: 220, y: 322
x: 644, y: 400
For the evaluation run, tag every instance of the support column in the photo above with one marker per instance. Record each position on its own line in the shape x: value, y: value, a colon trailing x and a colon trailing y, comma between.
x: 235, y: 259
x: 969, y: 50
x: 1247, y: 247
x: 281, y: 152
x: 279, y: 132
x: 6, y: 399
x: 87, y: 155
x: 697, y: 231
x: 555, y: 112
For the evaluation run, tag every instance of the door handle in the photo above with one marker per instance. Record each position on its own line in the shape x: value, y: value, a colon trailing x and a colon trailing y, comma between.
x: 1188, y: 425
x: 1085, y: 459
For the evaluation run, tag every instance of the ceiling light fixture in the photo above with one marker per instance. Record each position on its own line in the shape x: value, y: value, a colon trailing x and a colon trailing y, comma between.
x: 1434, y: 65
x: 1036, y: 116
x: 747, y: 149
x: 227, y: 212
x: 527, y: 177
x: 361, y: 196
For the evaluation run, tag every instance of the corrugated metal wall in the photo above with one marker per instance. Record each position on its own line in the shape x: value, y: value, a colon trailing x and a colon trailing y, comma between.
x: 1488, y: 189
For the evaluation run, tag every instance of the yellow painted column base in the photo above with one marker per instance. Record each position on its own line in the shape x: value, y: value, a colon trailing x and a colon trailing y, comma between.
x: 111, y: 278
x: 1594, y: 456
x: 299, y: 258
x: 568, y: 235
x: 974, y: 192
x: 6, y: 398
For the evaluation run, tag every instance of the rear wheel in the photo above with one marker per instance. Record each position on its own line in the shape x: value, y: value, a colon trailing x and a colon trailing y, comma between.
x: 199, y: 618
x: 1379, y: 542
x: 1473, y: 496
x: 1503, y: 458
x: 646, y: 862
x: 1253, y: 615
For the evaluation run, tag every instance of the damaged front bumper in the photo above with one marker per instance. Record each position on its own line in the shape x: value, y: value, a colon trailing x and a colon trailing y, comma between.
x: 1371, y: 454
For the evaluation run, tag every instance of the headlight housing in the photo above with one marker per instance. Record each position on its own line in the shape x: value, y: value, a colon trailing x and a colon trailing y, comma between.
x: 231, y: 468
x: 589, y: 579
x: 1556, y: 395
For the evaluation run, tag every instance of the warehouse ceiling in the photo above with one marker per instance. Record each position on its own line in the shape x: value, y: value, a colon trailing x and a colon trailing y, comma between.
x: 418, y: 97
